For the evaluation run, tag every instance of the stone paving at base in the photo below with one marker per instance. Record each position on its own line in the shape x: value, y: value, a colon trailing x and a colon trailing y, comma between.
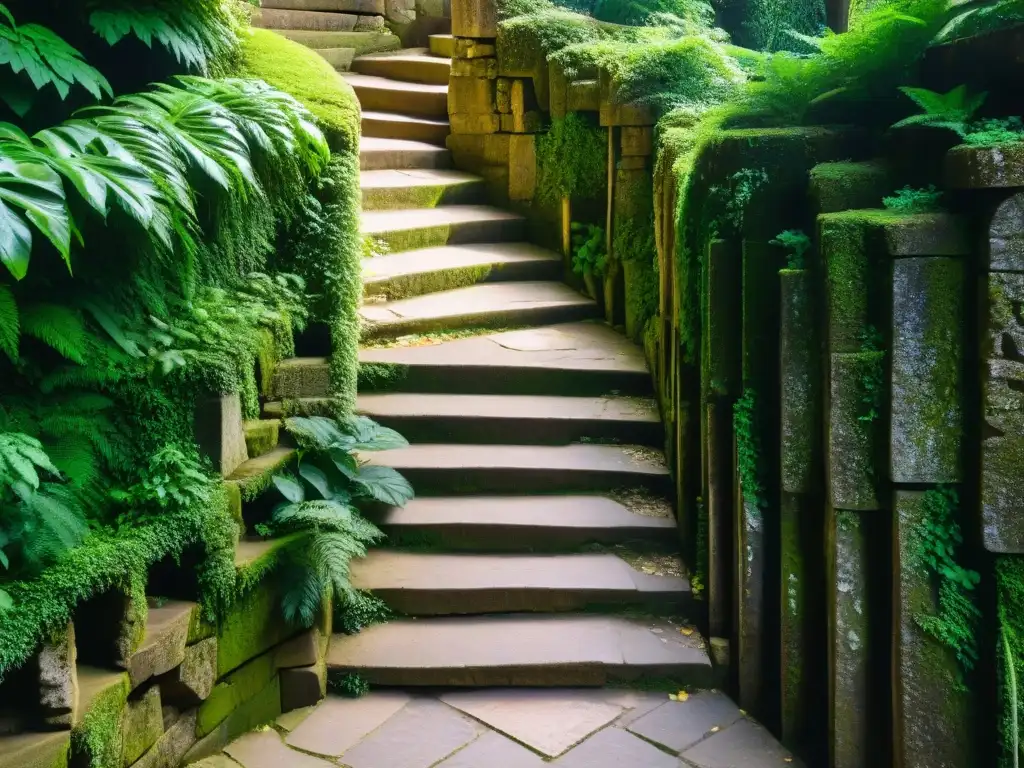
x: 511, y: 728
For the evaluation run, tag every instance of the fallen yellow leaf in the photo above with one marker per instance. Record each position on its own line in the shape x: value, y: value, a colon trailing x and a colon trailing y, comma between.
x: 787, y: 759
x: 716, y: 729
x: 743, y: 712
x: 686, y: 631
x: 682, y: 696
x: 673, y: 697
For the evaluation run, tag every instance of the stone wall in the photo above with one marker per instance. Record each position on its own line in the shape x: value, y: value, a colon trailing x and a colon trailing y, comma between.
x: 825, y: 417
x: 163, y: 687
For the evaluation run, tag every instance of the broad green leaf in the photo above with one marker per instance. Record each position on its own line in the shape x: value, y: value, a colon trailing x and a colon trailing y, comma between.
x: 384, y: 484
x: 368, y: 435
x: 316, y: 478
x: 290, y: 488
x: 6, y: 601
x: 345, y: 462
x: 15, y: 242
x: 10, y: 326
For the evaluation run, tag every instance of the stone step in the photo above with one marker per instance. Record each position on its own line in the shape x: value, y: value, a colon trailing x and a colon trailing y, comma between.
x: 428, y: 270
x: 517, y: 419
x: 395, y: 154
x: 528, y: 523
x: 362, y: 42
x: 518, y: 650
x: 335, y: 6
x: 441, y: 469
x: 316, y: 21
x: 388, y: 125
x: 261, y: 436
x: 419, y: 188
x: 408, y: 66
x: 587, y: 358
x: 339, y: 58
x: 488, y: 305
x: 379, y: 94
x: 428, y: 584
x: 442, y: 45
x: 409, y: 229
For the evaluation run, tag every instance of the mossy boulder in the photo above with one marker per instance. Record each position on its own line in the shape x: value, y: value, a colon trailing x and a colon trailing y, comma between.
x: 302, y: 72
x: 847, y: 185
x: 192, y: 682
x: 170, y: 749
x: 998, y: 166
x: 167, y: 630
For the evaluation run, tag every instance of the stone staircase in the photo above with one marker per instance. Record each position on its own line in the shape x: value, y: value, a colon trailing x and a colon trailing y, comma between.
x: 540, y: 548
x: 338, y: 30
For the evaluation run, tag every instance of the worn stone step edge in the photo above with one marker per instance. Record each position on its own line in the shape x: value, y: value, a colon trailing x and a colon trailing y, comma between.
x: 386, y: 654
x: 386, y: 125
x: 458, y: 189
x: 434, y: 584
x: 261, y: 436
x: 399, y: 154
x: 526, y: 523
x: 425, y: 69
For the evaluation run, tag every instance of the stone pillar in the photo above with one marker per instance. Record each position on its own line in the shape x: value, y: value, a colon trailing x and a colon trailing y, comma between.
x: 58, y: 680
x: 474, y: 18
x: 219, y: 432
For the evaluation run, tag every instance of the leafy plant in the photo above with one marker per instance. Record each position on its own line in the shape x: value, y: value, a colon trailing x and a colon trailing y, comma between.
x: 953, y: 110
x: 195, y: 35
x: 797, y: 244
x: 873, y: 381
x: 360, y: 610
x: 910, y: 200
x: 938, y: 543
x: 171, y: 479
x: 39, y: 519
x: 320, y: 500
x: 349, y: 685
x: 589, y: 254
x: 748, y: 451
x: 145, y: 153
x: 34, y: 52
x: 1000, y: 130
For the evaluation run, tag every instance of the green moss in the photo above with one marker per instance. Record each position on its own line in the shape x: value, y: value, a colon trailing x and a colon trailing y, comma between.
x: 381, y: 377
x: 843, y: 186
x: 845, y: 246
x: 259, y: 473
x: 572, y: 160
x: 261, y: 436
x: 302, y: 72
x: 251, y: 626
x: 233, y: 691
x: 142, y: 726
x: 98, y: 736
x: 942, y: 340
x: 937, y: 541
x: 404, y: 286
x: 767, y: 24
x: 748, y: 452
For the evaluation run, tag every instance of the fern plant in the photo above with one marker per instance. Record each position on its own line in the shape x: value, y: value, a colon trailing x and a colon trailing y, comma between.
x: 589, y: 255
x: 39, y: 517
x: 320, y: 500
x: 196, y: 33
x: 797, y: 244
x: 34, y: 53
x: 953, y: 110
x: 146, y: 153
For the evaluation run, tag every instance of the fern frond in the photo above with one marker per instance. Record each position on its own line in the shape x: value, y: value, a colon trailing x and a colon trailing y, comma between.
x: 303, y: 592
x: 10, y: 329
x: 60, y: 328
x: 330, y: 555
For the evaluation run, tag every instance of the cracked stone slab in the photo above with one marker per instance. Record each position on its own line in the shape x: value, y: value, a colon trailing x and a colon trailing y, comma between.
x: 422, y: 734
x: 549, y: 721
x: 615, y: 748
x: 492, y: 749
x: 677, y: 725
x: 338, y: 724
x: 744, y: 744
x: 264, y: 749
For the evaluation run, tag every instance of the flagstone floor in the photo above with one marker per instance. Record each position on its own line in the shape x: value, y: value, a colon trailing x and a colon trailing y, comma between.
x: 511, y: 728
